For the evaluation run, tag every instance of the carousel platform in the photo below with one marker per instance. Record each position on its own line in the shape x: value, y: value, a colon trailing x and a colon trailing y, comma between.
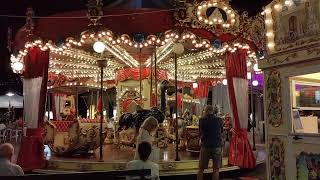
x: 115, y: 158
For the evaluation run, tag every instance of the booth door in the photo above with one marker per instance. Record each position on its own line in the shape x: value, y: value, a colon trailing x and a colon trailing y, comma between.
x: 292, y: 112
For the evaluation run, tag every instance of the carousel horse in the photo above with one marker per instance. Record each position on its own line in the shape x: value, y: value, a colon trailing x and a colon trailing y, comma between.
x: 129, y: 124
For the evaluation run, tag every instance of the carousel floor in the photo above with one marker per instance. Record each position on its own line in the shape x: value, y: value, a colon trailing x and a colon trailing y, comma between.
x: 115, y: 158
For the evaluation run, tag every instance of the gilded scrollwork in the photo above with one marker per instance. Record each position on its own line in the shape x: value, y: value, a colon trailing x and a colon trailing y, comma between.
x: 274, y: 108
x: 169, y: 166
x: 187, y: 16
x: 94, y: 11
x: 257, y: 31
x: 277, y: 154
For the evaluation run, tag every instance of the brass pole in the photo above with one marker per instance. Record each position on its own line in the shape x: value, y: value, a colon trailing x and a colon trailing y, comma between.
x: 155, y: 76
x: 101, y: 64
x: 151, y: 81
x: 176, y: 124
x: 252, y: 112
x: 140, y: 78
x: 77, y: 104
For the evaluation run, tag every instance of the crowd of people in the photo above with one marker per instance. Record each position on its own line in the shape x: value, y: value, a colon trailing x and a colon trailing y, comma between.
x: 147, y: 154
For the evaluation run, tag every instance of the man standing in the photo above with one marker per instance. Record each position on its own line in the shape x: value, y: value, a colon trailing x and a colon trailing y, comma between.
x: 211, y: 128
x: 6, y: 167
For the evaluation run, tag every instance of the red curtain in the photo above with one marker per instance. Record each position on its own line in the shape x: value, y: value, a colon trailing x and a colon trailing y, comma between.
x: 31, y: 153
x: 240, y: 151
x: 202, y: 90
x: 133, y: 73
x: 99, y: 104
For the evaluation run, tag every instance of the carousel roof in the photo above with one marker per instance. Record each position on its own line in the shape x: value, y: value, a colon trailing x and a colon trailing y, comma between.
x: 134, y: 37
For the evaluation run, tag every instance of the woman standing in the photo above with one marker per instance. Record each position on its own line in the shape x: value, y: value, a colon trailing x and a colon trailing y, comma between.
x: 147, y: 129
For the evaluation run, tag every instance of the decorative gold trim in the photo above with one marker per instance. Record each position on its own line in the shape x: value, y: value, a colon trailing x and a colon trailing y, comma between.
x: 169, y: 166
x: 313, y: 51
x: 280, y: 61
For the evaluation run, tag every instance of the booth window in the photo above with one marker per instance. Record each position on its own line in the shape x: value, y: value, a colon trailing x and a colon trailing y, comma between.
x: 305, y: 96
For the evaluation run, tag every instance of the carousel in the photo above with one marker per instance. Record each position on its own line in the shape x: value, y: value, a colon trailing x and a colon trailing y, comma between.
x: 126, y: 65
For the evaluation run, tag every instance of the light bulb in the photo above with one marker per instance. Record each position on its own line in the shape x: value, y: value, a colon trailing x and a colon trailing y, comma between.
x: 269, y: 34
x: 178, y: 48
x: 287, y: 2
x: 17, y: 66
x: 248, y: 75
x: 98, y: 47
x: 224, y: 82
x: 255, y: 83
x: 255, y: 67
x: 195, y: 85
x: 270, y: 45
x: 9, y: 94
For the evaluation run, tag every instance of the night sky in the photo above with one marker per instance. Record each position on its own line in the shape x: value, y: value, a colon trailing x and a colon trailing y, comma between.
x: 11, y: 82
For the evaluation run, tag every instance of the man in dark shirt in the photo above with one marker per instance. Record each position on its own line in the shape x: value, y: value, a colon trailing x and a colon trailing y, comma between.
x: 211, y: 128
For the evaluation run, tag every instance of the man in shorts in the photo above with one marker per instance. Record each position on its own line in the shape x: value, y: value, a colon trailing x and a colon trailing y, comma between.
x: 211, y: 128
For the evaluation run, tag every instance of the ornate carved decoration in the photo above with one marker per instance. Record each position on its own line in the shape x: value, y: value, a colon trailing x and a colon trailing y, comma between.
x: 277, y: 164
x: 313, y: 51
x: 274, y: 99
x: 280, y: 61
x: 94, y: 12
x: 169, y: 166
x: 195, y: 16
x: 257, y: 31
x: 29, y: 26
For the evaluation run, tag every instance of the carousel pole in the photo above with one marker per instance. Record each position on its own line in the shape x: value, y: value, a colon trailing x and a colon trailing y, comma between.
x: 48, y: 96
x: 91, y: 103
x: 252, y: 112
x: 140, y: 78
x: 176, y: 124
x: 76, y: 109
x: 102, y: 64
x: 151, y: 81
x: 177, y: 49
x: 155, y: 75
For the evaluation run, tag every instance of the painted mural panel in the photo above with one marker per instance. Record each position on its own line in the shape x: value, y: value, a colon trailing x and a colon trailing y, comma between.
x: 296, y: 24
x: 308, y: 166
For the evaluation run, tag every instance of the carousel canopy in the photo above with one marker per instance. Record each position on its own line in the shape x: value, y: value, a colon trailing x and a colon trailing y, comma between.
x: 130, y: 38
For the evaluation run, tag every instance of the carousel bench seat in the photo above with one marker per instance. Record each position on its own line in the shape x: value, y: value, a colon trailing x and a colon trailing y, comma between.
x: 68, y: 137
